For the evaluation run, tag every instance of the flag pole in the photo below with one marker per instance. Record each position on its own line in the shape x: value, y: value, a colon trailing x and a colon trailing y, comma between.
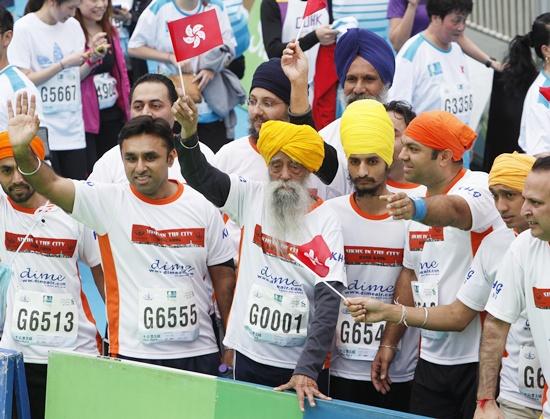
x: 181, y: 80
x: 299, y: 262
x: 300, y: 30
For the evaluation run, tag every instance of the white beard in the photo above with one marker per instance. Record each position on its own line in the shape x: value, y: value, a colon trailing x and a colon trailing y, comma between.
x: 286, y: 208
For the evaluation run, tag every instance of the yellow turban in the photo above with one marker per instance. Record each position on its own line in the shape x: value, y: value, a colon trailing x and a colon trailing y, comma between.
x: 511, y: 170
x: 299, y: 142
x: 366, y: 128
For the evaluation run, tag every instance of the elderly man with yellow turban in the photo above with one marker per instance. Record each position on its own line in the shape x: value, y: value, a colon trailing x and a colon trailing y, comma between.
x: 47, y: 266
x: 283, y: 317
x: 506, y: 181
x: 447, y: 228
x: 373, y: 246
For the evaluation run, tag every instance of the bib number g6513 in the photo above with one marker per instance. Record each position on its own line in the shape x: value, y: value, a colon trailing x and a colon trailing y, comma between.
x: 44, y: 319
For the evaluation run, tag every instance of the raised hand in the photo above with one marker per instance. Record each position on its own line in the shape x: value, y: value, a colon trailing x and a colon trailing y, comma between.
x: 22, y: 120
x: 294, y: 62
x: 185, y: 112
x: 326, y: 35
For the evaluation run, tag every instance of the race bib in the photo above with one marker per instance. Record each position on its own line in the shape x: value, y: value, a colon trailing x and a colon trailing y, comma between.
x: 530, y: 378
x: 426, y: 294
x: 357, y: 341
x: 168, y: 314
x: 61, y: 93
x: 459, y: 102
x: 44, y: 319
x: 277, y: 317
x: 105, y: 87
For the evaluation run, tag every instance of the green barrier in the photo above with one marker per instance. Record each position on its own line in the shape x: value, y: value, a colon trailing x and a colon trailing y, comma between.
x: 87, y: 387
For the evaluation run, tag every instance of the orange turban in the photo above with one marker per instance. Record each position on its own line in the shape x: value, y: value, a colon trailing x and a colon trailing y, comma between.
x: 441, y: 130
x: 6, y: 151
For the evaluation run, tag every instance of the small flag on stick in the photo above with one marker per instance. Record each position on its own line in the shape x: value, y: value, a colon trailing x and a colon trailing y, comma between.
x: 313, y: 256
x: 194, y: 35
x: 312, y: 6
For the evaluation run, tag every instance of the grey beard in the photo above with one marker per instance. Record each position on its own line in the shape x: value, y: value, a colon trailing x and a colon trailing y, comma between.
x: 286, y: 209
x: 352, y: 97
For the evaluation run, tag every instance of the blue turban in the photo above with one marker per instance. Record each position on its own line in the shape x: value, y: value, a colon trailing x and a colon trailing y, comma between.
x: 270, y: 76
x: 366, y: 44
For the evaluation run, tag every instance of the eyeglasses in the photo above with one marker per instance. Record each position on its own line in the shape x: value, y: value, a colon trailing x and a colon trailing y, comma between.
x: 265, y: 104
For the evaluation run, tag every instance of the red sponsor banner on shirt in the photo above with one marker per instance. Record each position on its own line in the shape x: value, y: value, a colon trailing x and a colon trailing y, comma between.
x: 542, y: 298
x: 177, y: 237
x: 273, y: 247
x: 380, y: 256
x: 314, y: 6
x: 41, y: 245
x: 418, y: 238
x: 194, y: 35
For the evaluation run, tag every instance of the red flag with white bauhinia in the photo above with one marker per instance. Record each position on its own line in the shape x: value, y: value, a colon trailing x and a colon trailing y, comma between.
x: 545, y: 91
x: 194, y: 35
x: 314, y: 6
x: 314, y: 254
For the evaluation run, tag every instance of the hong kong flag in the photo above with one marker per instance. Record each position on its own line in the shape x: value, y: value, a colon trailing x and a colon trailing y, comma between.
x: 545, y: 91
x: 314, y: 254
x: 194, y: 35
x: 313, y: 6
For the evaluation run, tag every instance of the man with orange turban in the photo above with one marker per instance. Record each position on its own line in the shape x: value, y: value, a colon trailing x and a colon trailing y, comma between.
x: 506, y: 181
x: 283, y: 317
x: 443, y: 237
x: 40, y: 268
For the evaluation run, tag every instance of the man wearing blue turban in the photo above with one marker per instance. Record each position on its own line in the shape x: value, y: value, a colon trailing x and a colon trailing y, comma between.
x: 365, y: 64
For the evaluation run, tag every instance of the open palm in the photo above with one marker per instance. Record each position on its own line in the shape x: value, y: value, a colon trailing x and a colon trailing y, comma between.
x: 22, y: 120
x: 294, y: 62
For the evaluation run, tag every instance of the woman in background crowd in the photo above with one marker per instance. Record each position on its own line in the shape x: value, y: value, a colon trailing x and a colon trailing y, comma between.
x: 48, y: 46
x: 105, y: 86
x: 534, y: 137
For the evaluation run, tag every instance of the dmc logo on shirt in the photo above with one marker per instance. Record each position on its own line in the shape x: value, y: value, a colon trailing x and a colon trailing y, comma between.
x: 469, y: 275
x: 167, y: 268
x: 52, y: 279
x: 434, y: 69
x: 371, y: 290
x: 281, y: 282
x: 225, y: 233
x: 429, y: 268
